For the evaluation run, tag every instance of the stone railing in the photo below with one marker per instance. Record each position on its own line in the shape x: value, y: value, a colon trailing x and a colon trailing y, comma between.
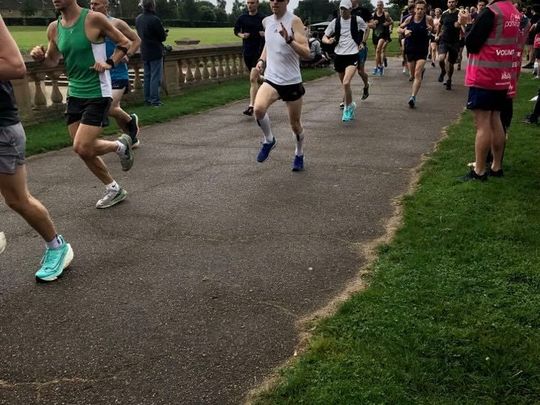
x: 42, y: 93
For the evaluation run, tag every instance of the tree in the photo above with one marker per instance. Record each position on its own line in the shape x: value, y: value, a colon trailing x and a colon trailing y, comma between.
x: 189, y: 10
x: 316, y: 10
x: 206, y: 13
x: 264, y: 8
x: 222, y: 4
x: 27, y: 8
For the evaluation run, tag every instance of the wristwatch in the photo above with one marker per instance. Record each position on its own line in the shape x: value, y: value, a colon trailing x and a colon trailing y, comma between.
x: 110, y: 62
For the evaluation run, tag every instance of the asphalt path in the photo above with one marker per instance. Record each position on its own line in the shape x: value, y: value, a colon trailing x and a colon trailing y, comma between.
x: 189, y: 291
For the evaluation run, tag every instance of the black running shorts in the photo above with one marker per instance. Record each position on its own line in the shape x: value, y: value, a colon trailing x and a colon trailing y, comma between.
x: 289, y: 92
x: 341, y: 62
x: 452, y: 49
x: 89, y: 111
x: 251, y: 60
x: 487, y: 100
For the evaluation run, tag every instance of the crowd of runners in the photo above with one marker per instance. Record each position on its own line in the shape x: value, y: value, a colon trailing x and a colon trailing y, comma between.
x: 96, y: 47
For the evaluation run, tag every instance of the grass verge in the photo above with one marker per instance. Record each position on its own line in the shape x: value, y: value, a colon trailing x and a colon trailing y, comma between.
x: 451, y: 314
x: 53, y: 135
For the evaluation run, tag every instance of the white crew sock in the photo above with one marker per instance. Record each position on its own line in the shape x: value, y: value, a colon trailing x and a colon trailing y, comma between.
x: 55, y: 243
x: 120, y: 148
x: 299, y: 151
x: 113, y: 186
x: 265, y: 126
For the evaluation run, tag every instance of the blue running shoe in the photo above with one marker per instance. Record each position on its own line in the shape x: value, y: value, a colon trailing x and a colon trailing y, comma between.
x: 381, y: 71
x: 265, y: 151
x: 298, y: 163
x: 54, y: 262
x: 375, y: 71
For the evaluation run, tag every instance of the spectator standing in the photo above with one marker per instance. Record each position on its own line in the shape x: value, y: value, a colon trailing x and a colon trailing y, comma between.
x: 249, y: 27
x: 13, y: 183
x: 491, y: 43
x: 152, y: 34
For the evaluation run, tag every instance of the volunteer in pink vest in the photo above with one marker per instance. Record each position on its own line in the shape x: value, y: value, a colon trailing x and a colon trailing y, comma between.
x: 491, y: 43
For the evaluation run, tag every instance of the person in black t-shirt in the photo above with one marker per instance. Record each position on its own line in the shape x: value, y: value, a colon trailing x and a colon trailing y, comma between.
x: 249, y: 27
x: 13, y: 183
x: 448, y: 35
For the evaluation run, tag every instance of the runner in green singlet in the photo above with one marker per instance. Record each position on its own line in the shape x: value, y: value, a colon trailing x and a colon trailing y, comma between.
x: 78, y: 35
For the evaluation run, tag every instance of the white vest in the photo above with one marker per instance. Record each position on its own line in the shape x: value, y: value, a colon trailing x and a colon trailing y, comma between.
x: 282, y: 62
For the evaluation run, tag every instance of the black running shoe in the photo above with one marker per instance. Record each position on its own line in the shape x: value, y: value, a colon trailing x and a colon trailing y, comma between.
x: 528, y: 66
x: 496, y: 173
x: 366, y: 92
x: 530, y: 119
x: 441, y: 77
x: 448, y: 84
x: 472, y: 175
x: 248, y: 111
x: 385, y: 61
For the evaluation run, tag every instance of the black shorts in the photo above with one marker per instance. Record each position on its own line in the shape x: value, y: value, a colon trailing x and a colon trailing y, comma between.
x: 251, y: 60
x: 488, y: 100
x: 415, y: 54
x: 122, y: 84
x: 289, y: 92
x: 376, y: 38
x: 342, y: 61
x: 452, y: 49
x: 537, y: 53
x: 89, y: 111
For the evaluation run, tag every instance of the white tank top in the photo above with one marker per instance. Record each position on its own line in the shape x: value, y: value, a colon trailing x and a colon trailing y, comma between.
x: 282, y: 62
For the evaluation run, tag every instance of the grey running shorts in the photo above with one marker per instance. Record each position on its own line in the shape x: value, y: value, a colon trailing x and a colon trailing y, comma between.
x: 12, y: 146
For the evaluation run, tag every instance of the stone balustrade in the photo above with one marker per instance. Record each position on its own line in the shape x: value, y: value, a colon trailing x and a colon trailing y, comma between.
x: 41, y: 94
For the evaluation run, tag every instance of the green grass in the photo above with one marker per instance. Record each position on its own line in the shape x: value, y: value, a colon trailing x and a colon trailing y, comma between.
x: 451, y: 314
x: 53, y: 135
x: 28, y: 37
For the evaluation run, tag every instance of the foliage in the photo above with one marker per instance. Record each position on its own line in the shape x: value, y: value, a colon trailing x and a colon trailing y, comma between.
x: 316, y: 10
x: 28, y: 8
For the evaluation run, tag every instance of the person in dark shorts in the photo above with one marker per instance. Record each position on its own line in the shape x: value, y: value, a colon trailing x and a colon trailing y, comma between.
x: 380, y: 24
x: 285, y: 44
x: 13, y: 176
x: 347, y: 32
x: 448, y: 38
x: 489, y: 78
x: 364, y: 14
x: 79, y: 36
x: 535, y: 18
x: 128, y: 123
x: 417, y: 30
x: 249, y: 27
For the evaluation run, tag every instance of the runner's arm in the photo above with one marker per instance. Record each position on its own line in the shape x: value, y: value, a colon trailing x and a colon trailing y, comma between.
x: 108, y: 30
x: 404, y: 24
x: 11, y: 62
x: 297, y: 40
x: 389, y: 22
x: 50, y: 57
x: 261, y: 63
x: 131, y: 35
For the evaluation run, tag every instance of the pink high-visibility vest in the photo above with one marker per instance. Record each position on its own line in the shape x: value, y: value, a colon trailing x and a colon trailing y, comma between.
x: 491, y: 68
x: 516, y: 64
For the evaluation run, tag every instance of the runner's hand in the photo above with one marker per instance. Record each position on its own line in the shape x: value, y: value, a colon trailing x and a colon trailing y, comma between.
x: 245, y: 35
x: 283, y: 32
x: 407, y: 33
x: 38, y: 53
x: 260, y: 67
x: 101, y: 67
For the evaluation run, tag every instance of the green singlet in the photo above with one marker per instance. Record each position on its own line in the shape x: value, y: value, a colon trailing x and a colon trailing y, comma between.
x: 79, y: 55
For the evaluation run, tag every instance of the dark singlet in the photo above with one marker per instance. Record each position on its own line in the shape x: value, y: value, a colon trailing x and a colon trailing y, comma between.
x: 381, y: 30
x: 8, y: 109
x: 419, y: 39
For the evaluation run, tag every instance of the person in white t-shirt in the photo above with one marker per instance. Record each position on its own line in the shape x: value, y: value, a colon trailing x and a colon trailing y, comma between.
x: 348, y: 35
x: 286, y: 43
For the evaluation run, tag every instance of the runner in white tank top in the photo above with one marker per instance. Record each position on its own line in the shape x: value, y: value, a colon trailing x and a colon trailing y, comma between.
x: 280, y: 63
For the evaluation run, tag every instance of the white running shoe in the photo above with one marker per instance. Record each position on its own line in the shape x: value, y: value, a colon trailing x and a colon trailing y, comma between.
x: 2, y: 242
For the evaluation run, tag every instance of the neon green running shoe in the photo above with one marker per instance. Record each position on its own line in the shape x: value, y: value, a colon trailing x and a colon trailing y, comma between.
x: 54, y: 262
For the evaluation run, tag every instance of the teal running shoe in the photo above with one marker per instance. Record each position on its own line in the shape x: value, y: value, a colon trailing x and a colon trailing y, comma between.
x: 353, y: 110
x: 54, y: 262
x: 347, y: 114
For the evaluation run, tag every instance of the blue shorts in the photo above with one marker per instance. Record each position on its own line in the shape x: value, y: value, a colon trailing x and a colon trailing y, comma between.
x: 121, y: 84
x: 362, y: 56
x: 487, y: 100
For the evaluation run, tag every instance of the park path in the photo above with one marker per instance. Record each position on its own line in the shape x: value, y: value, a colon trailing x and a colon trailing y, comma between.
x: 188, y: 292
